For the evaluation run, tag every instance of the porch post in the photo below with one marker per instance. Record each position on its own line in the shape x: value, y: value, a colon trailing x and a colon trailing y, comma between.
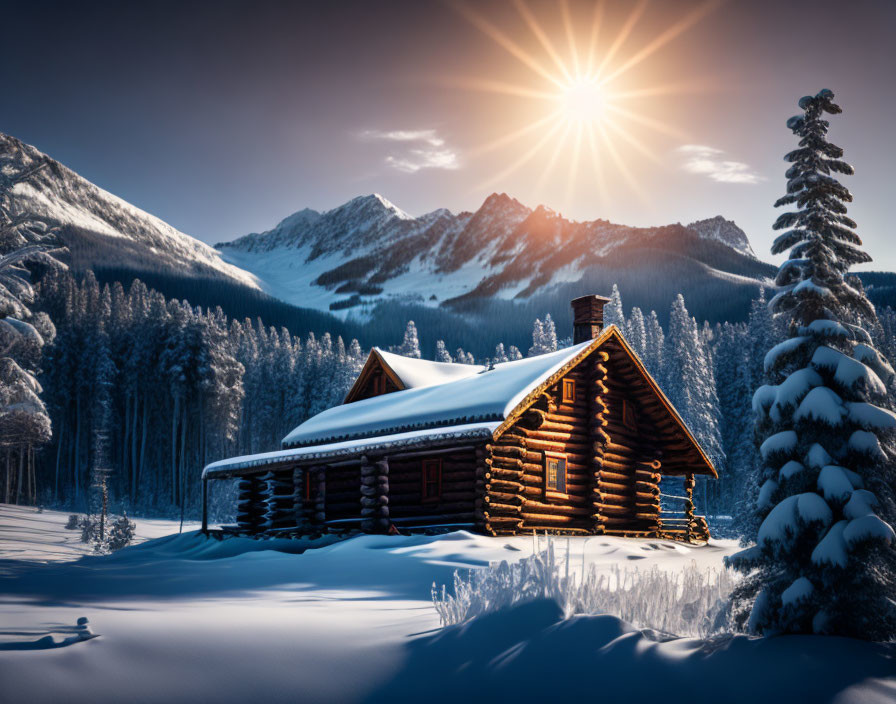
x: 375, y: 495
x: 689, y: 483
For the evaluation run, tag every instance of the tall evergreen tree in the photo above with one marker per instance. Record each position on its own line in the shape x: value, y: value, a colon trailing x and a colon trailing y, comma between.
x: 824, y: 560
x: 690, y: 382
x: 537, y: 347
x: 636, y: 332
x: 410, y: 346
x: 613, y: 312
x: 442, y: 353
x: 654, y: 355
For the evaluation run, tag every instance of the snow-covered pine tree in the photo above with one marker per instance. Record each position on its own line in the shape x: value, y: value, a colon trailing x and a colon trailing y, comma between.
x: 690, y: 383
x: 410, y: 346
x: 654, y: 355
x: 24, y: 240
x: 537, y: 338
x: 549, y: 334
x: 544, y: 337
x: 824, y: 560
x: 500, y: 354
x: 733, y: 386
x: 513, y: 353
x: 636, y: 332
x: 442, y: 353
x: 613, y: 312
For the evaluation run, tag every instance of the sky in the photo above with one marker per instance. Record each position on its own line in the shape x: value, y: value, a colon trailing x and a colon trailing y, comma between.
x: 224, y: 117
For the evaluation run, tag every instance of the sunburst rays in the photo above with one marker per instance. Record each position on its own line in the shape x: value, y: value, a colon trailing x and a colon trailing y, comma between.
x: 578, y: 72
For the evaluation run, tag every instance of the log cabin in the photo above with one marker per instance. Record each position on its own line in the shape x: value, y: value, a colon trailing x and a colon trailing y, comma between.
x: 577, y: 441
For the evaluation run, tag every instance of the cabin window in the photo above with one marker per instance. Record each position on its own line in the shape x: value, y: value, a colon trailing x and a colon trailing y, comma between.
x: 432, y: 479
x: 569, y: 391
x: 555, y: 472
x: 379, y: 384
x: 306, y: 487
x: 629, y: 416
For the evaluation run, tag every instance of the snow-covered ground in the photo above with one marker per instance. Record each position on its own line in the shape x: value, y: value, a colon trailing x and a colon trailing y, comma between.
x: 27, y: 534
x: 186, y: 618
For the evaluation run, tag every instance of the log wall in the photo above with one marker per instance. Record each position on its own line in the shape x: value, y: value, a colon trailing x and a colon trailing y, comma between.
x: 627, y: 491
x: 456, y: 502
x: 516, y: 499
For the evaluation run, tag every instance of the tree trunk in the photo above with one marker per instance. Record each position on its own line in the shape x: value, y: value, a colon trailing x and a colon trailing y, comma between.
x: 174, y: 419
x: 59, y: 441
x: 183, y: 469
x: 33, y: 472
x: 135, y: 476
x: 125, y: 442
x: 76, y: 464
x: 142, y: 453
x: 21, y: 476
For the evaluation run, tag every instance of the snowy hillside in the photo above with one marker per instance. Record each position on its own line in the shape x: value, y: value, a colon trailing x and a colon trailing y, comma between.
x: 104, y: 231
x: 369, y: 250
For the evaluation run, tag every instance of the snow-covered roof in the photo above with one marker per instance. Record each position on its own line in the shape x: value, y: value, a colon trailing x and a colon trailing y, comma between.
x: 417, y: 373
x: 348, y: 448
x: 442, y: 400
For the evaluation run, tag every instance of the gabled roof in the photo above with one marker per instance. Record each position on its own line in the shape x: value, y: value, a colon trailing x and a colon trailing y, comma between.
x: 484, y: 395
x: 407, y: 372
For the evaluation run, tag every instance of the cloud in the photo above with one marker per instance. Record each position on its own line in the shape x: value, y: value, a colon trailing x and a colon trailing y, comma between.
x: 415, y: 150
x: 710, y: 162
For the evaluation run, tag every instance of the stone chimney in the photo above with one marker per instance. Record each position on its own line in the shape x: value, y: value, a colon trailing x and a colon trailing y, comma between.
x: 587, y: 317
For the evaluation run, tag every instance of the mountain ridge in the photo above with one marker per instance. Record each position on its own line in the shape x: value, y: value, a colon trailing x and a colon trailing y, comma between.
x: 369, y: 250
x: 97, y: 225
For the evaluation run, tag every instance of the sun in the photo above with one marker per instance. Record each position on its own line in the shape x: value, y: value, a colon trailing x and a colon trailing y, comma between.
x: 591, y: 112
x: 583, y: 100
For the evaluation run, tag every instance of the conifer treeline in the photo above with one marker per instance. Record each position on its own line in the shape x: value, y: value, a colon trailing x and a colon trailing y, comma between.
x: 187, y: 387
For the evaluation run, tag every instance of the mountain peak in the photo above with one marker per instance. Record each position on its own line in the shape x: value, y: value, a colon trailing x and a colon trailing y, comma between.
x: 500, y: 200
x: 724, y: 231
x: 374, y: 204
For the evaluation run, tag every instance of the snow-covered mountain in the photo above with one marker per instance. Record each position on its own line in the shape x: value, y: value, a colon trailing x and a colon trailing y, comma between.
x: 103, y: 231
x: 724, y: 231
x: 369, y: 250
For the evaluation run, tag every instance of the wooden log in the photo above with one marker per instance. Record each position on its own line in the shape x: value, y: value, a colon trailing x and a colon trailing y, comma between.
x: 499, y: 473
x: 559, y: 509
x: 495, y: 507
x: 606, y: 520
x: 607, y: 497
x: 616, y: 477
x: 648, y: 517
x: 553, y: 446
x: 646, y: 476
x: 548, y: 518
x: 504, y: 520
x: 620, y: 467
x: 612, y: 487
x: 503, y: 485
x: 614, y: 509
